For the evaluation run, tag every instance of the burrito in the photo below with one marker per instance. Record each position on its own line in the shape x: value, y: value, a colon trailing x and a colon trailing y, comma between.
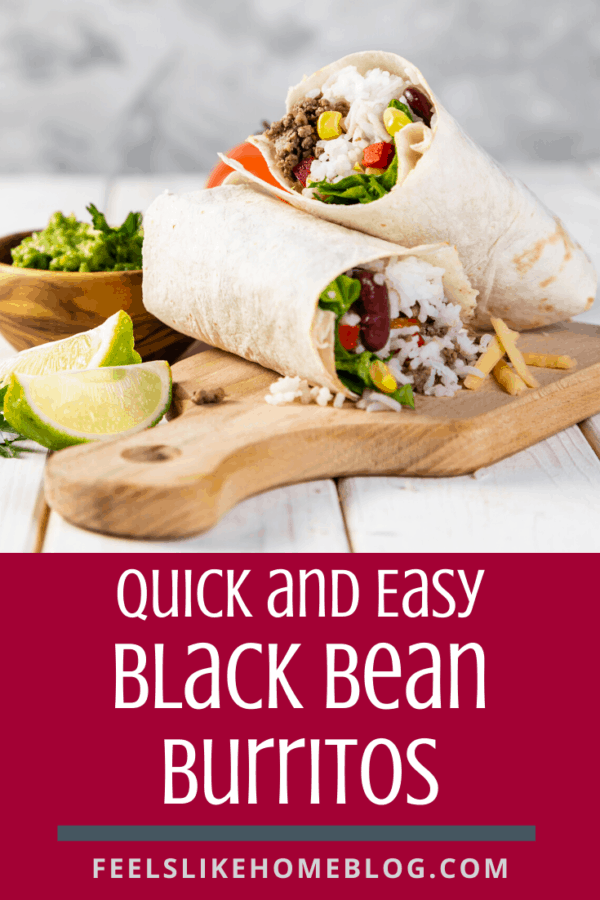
x: 342, y: 311
x: 366, y: 144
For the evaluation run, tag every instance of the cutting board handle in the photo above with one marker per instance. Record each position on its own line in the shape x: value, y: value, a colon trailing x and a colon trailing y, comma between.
x: 180, y: 478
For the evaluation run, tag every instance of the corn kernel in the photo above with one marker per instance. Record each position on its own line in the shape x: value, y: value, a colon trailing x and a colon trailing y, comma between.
x: 358, y: 168
x: 394, y: 120
x: 370, y: 170
x: 329, y: 125
x: 382, y: 377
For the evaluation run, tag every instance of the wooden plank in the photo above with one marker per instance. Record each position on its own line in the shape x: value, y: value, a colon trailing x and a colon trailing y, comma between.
x: 135, y: 193
x: 545, y: 499
x: 591, y: 432
x: 302, y: 518
x: 22, y: 508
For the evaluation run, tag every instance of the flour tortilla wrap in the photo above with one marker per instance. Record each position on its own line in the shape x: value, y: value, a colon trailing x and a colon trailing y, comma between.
x: 516, y: 253
x: 242, y: 271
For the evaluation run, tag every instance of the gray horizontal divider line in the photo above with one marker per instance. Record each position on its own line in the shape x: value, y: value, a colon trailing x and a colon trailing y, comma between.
x: 296, y: 833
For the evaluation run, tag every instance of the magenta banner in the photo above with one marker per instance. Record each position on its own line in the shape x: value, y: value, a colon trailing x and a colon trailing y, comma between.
x: 226, y: 726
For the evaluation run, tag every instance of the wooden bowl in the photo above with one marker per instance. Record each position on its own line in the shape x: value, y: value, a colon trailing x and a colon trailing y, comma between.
x: 37, y: 306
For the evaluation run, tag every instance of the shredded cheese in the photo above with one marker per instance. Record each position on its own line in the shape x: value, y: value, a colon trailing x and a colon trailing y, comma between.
x: 505, y: 336
x: 508, y: 379
x: 485, y: 364
x: 549, y: 361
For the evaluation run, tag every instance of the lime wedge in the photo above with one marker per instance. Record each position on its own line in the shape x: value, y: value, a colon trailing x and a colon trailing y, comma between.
x: 67, y: 408
x: 110, y: 344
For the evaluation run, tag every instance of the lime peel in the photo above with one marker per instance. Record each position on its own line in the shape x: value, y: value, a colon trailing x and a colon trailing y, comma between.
x: 105, y: 403
x: 110, y: 344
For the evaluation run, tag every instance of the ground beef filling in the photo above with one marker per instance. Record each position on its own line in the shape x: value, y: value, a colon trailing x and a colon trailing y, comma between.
x: 295, y: 136
x: 419, y: 376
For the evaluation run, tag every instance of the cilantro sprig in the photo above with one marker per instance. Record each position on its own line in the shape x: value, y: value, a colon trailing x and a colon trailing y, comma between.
x: 339, y: 296
x: 123, y: 244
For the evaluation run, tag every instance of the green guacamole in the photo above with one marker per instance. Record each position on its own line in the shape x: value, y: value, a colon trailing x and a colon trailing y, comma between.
x: 67, y: 245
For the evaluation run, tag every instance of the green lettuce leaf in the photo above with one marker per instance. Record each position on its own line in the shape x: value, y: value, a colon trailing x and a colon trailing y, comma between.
x: 404, y: 395
x: 359, y: 188
x: 353, y: 370
x: 347, y: 292
x: 396, y: 104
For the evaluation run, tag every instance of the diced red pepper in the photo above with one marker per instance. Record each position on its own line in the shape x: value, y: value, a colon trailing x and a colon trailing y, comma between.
x: 378, y: 156
x: 348, y: 335
x: 302, y: 170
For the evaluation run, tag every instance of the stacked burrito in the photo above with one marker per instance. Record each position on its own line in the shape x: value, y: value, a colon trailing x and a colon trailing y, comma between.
x: 399, y: 236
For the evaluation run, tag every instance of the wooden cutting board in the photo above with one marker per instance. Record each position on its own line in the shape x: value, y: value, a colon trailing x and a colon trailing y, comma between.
x: 180, y: 478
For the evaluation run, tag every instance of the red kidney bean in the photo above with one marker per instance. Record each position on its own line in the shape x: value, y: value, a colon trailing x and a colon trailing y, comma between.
x: 374, y: 311
x: 419, y: 103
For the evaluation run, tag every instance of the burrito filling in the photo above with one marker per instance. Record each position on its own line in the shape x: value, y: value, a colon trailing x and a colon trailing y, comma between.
x: 337, y: 144
x: 396, y: 333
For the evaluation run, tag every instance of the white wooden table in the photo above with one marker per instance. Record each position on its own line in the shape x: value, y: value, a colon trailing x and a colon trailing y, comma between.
x: 546, y: 498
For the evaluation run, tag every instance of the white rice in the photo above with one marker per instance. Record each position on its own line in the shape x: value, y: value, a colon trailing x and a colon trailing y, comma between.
x: 412, y: 282
x: 350, y: 318
x: 385, y: 401
x: 290, y: 388
x: 368, y: 95
x: 338, y: 160
x: 375, y: 406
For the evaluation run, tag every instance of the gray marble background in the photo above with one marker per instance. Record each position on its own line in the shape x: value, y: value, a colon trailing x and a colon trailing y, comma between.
x: 129, y: 86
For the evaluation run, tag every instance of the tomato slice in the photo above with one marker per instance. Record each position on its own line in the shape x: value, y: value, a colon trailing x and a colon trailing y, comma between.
x: 348, y: 335
x: 250, y: 157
